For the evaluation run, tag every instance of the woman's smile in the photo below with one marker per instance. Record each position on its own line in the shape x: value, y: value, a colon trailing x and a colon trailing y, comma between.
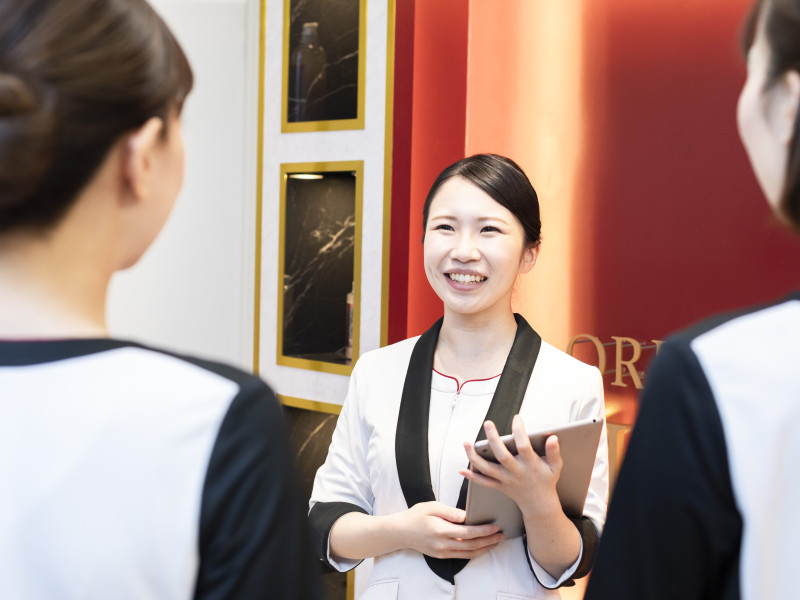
x: 468, y: 280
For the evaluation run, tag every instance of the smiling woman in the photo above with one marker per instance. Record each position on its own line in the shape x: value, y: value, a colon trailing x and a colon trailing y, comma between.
x: 474, y: 250
x: 394, y: 483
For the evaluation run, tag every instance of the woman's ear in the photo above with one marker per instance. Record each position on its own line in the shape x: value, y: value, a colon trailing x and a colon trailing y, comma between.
x: 789, y: 99
x: 138, y: 158
x: 529, y: 256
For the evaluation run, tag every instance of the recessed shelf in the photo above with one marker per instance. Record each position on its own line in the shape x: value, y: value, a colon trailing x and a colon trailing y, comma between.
x: 319, y: 274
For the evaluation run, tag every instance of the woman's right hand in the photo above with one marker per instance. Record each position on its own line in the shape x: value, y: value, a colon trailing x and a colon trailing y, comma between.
x: 438, y: 530
x: 432, y: 528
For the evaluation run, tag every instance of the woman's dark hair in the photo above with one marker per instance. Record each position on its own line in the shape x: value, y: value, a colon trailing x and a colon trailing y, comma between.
x: 782, y: 31
x: 503, y: 180
x: 76, y: 75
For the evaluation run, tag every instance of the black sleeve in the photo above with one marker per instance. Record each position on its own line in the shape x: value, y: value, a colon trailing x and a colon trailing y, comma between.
x: 673, y: 528
x: 254, y: 540
x: 589, y: 539
x: 322, y: 518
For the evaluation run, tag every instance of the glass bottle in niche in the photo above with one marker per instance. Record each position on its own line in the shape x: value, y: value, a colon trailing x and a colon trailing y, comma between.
x: 307, y: 86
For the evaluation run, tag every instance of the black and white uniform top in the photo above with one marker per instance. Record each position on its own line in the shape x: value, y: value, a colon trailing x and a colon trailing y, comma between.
x: 131, y: 473
x: 399, y: 441
x: 706, y: 504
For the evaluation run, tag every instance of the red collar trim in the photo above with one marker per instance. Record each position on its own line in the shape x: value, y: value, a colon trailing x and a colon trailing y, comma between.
x: 460, y: 385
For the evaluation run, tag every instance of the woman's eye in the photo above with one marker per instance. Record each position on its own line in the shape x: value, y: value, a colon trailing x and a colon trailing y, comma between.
x: 443, y: 227
x: 490, y: 229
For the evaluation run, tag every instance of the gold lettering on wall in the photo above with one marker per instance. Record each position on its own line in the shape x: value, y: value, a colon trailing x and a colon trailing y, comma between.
x: 625, y: 368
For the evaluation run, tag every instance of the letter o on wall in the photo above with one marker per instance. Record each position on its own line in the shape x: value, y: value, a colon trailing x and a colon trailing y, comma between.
x: 601, y: 351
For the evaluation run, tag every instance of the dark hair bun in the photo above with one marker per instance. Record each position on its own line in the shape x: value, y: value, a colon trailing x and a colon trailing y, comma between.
x: 28, y: 127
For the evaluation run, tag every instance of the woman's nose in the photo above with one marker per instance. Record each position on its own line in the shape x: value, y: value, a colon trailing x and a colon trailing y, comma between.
x: 465, y: 249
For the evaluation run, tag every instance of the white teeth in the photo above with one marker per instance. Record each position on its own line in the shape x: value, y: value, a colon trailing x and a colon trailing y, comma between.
x: 462, y: 278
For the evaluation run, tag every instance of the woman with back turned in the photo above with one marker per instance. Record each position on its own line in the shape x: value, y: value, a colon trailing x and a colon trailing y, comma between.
x: 127, y: 472
x: 706, y: 504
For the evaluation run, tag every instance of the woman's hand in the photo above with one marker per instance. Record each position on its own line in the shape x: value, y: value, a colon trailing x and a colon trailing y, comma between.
x: 437, y: 530
x: 527, y: 478
x: 432, y: 528
x: 530, y: 480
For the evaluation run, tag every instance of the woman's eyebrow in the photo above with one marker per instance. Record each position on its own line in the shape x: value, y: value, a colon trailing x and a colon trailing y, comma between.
x: 488, y: 219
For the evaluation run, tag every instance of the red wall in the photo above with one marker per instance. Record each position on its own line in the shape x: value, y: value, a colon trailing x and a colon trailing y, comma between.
x: 677, y: 225
x: 667, y: 222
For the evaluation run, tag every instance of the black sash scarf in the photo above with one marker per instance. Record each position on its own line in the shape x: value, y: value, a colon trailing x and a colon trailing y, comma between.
x: 411, y: 443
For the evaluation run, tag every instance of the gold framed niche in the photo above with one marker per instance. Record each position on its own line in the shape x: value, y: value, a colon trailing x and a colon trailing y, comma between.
x: 324, y: 65
x: 311, y: 425
x: 319, y: 270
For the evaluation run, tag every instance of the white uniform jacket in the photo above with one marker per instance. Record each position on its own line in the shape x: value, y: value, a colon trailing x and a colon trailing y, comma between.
x: 361, y: 472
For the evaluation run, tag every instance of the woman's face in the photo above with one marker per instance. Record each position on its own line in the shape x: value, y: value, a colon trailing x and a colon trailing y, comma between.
x: 474, y: 249
x: 764, y: 125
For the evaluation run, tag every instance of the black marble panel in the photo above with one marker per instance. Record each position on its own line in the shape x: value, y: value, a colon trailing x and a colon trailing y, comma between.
x: 319, y: 257
x: 311, y: 433
x: 323, y: 60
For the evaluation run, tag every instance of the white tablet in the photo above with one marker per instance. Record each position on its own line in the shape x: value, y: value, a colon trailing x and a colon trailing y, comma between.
x: 578, y: 442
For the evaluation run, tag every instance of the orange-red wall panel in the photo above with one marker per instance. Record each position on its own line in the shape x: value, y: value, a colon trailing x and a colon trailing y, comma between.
x: 675, y: 223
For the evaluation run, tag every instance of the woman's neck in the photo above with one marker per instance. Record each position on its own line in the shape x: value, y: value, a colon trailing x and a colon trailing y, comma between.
x: 51, y: 288
x: 474, y: 347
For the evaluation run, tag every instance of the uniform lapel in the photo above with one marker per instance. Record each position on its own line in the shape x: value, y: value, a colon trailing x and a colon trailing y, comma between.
x: 411, y: 440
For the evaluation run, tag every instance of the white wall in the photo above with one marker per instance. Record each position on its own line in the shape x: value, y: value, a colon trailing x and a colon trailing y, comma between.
x: 193, y: 290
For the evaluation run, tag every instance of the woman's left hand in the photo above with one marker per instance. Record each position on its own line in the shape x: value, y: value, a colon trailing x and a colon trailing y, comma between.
x: 530, y: 480
x: 527, y: 478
